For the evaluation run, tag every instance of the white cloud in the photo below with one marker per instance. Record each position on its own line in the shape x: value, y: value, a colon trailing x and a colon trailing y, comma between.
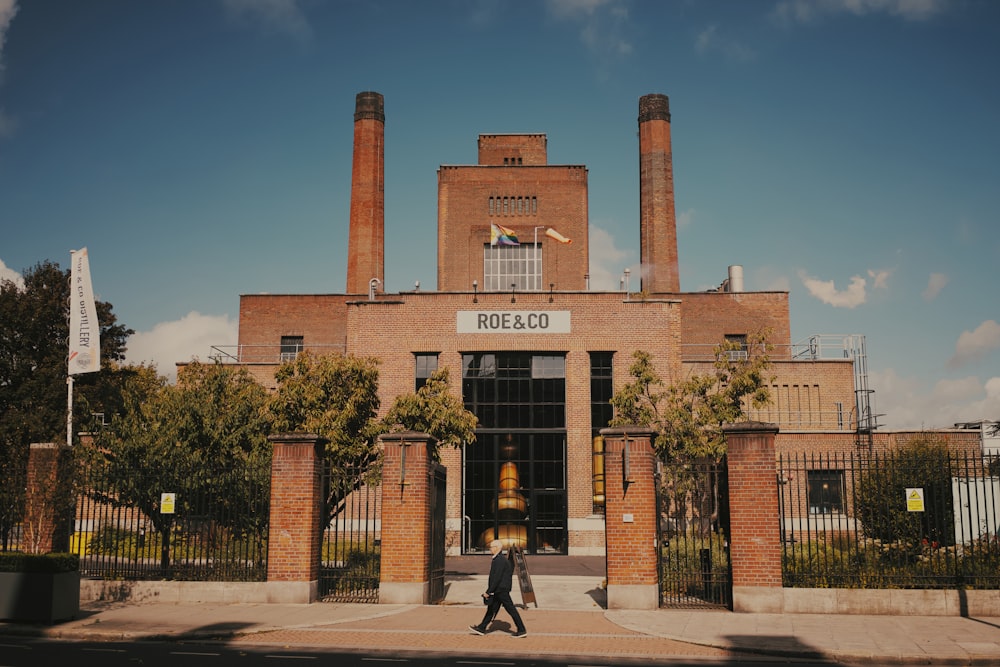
x: 905, y: 403
x: 8, y: 9
x: 973, y: 346
x: 935, y: 284
x: 806, y: 11
x: 190, y: 337
x: 576, y: 8
x: 827, y: 292
x: 7, y: 273
x: 282, y: 16
x: 880, y: 278
x: 602, y: 24
x: 768, y: 279
x: 607, y: 262
x: 710, y: 41
x: 685, y: 218
x: 8, y: 124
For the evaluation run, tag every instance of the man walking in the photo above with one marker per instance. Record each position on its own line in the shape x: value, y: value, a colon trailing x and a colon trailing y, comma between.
x: 498, y: 592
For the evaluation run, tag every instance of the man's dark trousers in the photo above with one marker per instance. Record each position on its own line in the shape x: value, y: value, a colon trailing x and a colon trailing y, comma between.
x: 500, y: 582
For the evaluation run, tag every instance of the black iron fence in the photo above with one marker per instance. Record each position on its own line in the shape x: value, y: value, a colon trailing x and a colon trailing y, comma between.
x: 901, y: 519
x: 693, y: 516
x: 351, y: 554
x: 208, y: 525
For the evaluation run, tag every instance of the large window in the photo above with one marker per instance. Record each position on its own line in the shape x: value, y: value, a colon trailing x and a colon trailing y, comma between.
x: 601, y: 412
x: 826, y: 491
x: 515, y: 390
x: 517, y: 265
x: 515, y: 472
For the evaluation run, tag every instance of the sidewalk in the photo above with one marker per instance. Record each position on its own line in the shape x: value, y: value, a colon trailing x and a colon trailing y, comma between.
x: 568, y: 621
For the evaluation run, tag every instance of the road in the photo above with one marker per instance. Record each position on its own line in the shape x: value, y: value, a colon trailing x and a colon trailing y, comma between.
x: 36, y: 652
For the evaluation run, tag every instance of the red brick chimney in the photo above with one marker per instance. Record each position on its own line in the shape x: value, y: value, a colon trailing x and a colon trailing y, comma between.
x: 366, y: 242
x: 657, y: 220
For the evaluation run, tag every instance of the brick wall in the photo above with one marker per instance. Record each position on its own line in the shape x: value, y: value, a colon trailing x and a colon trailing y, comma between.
x: 464, y: 220
x: 755, y: 536
x: 407, y: 495
x: 708, y: 316
x: 630, y: 518
x: 321, y: 320
x: 296, y: 507
x: 961, y: 441
x: 520, y: 149
x: 48, y: 507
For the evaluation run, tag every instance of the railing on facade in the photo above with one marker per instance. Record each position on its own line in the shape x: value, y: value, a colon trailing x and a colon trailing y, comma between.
x: 351, y: 553
x: 814, y: 348
x: 267, y: 354
x: 213, y: 526
x: 890, y: 520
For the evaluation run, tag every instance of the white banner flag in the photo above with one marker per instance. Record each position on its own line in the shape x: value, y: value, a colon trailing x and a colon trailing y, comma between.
x: 84, y: 330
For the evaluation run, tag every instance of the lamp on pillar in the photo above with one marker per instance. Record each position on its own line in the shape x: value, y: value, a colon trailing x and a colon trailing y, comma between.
x: 475, y: 291
x: 626, y: 468
x: 402, y: 465
x: 513, y: 286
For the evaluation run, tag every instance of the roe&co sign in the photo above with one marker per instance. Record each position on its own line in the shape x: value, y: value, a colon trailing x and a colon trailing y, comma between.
x: 513, y: 321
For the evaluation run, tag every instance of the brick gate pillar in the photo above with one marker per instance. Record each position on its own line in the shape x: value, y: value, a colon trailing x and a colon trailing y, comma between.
x: 407, y: 495
x: 630, y: 518
x: 755, y: 535
x: 48, y: 502
x: 296, y: 531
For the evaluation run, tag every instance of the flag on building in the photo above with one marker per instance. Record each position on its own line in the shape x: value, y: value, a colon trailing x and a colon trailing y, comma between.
x: 553, y: 234
x: 84, y: 330
x: 500, y: 235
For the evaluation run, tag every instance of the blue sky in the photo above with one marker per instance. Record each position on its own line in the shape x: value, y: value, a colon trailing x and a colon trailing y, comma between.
x: 843, y: 150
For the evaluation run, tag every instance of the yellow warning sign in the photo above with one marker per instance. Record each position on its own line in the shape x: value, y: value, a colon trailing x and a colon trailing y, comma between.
x: 167, y: 501
x: 914, y: 500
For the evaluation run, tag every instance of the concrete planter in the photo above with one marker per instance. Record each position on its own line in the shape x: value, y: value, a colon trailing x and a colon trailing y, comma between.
x: 39, y: 597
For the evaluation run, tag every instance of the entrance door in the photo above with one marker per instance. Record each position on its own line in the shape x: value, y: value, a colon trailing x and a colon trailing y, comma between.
x: 515, y: 490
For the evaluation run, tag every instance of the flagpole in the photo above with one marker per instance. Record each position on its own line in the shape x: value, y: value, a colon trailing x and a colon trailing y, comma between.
x: 69, y: 411
x: 538, y: 271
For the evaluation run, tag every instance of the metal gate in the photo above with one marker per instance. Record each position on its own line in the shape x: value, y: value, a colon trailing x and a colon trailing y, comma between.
x: 350, y: 553
x: 693, y: 511
x: 437, y: 535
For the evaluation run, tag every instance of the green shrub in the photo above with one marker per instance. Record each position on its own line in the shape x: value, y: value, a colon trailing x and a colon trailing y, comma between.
x: 880, y: 496
x: 15, y: 561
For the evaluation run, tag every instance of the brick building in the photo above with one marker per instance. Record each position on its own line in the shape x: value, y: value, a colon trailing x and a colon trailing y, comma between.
x: 535, y: 353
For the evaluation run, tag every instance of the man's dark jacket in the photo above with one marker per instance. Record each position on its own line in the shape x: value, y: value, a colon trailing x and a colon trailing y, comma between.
x: 501, y: 574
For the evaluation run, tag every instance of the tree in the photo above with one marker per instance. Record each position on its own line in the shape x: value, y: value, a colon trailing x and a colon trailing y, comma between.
x: 434, y: 410
x: 687, y: 416
x: 880, y: 496
x: 336, y: 397
x: 34, y: 329
x: 204, y: 439
x: 687, y: 419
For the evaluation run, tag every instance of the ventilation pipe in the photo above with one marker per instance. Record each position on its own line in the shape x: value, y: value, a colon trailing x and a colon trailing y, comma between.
x: 735, y: 278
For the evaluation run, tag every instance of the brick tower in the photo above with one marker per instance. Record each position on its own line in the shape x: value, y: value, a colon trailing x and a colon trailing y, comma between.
x: 366, y: 241
x: 657, y: 220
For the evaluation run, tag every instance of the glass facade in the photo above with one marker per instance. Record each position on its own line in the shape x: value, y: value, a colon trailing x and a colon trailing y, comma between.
x: 519, y: 265
x: 515, y: 472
